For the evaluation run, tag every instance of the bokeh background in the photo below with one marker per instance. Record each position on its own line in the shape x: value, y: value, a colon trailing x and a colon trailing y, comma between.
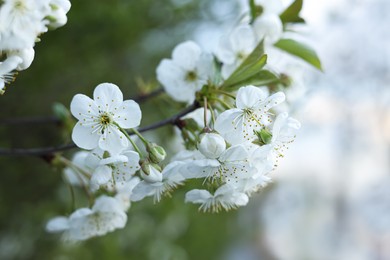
x: 331, y: 194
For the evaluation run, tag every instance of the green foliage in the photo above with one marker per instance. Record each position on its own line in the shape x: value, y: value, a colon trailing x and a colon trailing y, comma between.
x: 300, y: 50
x: 291, y: 14
x: 251, y: 66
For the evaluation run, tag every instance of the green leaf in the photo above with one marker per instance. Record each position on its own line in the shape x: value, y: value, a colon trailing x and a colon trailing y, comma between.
x: 262, y: 78
x: 300, y: 50
x: 250, y: 66
x: 256, y: 10
x: 291, y: 14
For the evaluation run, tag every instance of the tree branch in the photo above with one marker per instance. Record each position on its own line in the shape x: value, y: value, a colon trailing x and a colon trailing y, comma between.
x: 48, y: 151
x: 55, y: 120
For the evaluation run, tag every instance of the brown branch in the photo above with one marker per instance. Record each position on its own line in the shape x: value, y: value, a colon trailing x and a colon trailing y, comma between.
x: 48, y: 151
x: 55, y: 120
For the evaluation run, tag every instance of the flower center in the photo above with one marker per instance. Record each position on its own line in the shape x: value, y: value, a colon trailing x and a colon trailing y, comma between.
x: 191, y: 76
x: 20, y: 5
x: 105, y: 119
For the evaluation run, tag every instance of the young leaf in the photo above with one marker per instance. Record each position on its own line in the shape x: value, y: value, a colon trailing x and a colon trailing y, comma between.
x: 251, y: 65
x: 291, y: 14
x: 262, y: 78
x: 300, y: 50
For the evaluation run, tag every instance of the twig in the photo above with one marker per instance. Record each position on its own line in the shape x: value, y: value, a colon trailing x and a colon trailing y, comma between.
x: 47, y: 151
x: 55, y: 120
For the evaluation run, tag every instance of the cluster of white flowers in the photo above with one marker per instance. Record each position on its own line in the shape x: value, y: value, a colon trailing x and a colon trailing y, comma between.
x: 21, y: 24
x: 233, y: 147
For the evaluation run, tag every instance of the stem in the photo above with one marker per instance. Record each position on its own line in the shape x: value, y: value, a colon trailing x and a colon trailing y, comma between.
x: 205, y: 111
x: 140, y: 136
x: 132, y: 142
x: 73, y: 201
x: 212, y: 113
x: 223, y: 103
x: 224, y: 93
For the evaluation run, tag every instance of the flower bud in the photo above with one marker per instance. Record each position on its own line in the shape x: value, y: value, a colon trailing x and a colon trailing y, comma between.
x: 151, y: 172
x: 264, y: 136
x: 211, y: 145
x: 156, y: 152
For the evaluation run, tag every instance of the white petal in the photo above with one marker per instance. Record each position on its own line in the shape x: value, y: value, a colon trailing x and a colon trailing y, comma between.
x: 128, y: 115
x: 114, y: 159
x: 197, y: 196
x: 113, y: 140
x: 243, y: 39
x: 107, y: 97
x: 186, y: 55
x: 211, y: 145
x: 144, y: 189
x: 224, y: 52
x: 268, y: 27
x: 83, y: 107
x: 101, y: 175
x: 84, y: 137
x: 234, y: 153
x: 274, y: 100
x: 57, y: 224
x: 249, y: 97
x: 199, y: 168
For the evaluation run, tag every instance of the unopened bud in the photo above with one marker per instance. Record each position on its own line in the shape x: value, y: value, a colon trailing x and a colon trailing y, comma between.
x: 156, y: 152
x: 264, y: 135
x: 212, y: 145
x: 151, y: 172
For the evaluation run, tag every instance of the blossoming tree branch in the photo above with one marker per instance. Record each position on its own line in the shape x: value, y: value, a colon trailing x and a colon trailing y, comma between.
x: 233, y: 129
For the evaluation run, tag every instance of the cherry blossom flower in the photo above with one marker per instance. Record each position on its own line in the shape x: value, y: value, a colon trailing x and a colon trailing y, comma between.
x: 224, y: 165
x: 237, y: 125
x: 234, y: 48
x: 170, y: 179
x: 6, y: 71
x: 186, y: 73
x: 225, y: 197
x: 101, y: 119
x: 106, y: 215
x: 268, y: 27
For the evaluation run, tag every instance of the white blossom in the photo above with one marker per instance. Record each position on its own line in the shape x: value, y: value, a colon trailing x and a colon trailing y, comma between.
x: 21, y: 21
x: 225, y: 197
x: 171, y: 178
x: 283, y: 133
x: 234, y: 48
x: 237, y: 125
x: 114, y: 172
x: 101, y: 118
x: 268, y: 27
x: 212, y: 145
x: 186, y: 73
x: 106, y: 215
x: 229, y: 166
x: 6, y: 71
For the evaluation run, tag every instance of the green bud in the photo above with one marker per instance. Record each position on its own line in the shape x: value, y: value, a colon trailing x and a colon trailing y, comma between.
x: 61, y: 111
x: 156, y: 152
x: 264, y: 136
x: 146, y: 164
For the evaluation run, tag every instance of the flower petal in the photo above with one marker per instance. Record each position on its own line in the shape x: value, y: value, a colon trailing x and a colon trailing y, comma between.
x: 113, y: 140
x: 84, y: 137
x: 107, y: 97
x: 197, y: 196
x: 128, y: 115
x: 186, y: 55
x: 249, y: 97
x: 83, y: 107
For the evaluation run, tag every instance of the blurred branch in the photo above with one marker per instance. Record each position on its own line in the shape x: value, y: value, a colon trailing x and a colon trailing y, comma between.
x: 47, y: 152
x: 30, y: 120
x: 54, y: 120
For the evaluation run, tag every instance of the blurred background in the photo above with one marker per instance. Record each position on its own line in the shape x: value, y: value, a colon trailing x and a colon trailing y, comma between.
x: 331, y: 194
